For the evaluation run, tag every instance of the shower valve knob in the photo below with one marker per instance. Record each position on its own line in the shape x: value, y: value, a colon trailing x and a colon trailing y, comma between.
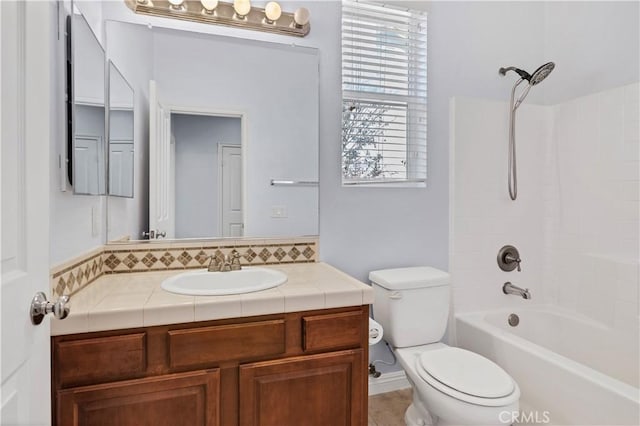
x: 509, y: 259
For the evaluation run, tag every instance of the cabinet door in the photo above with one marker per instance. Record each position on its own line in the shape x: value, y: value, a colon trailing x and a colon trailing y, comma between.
x: 176, y: 399
x: 317, y: 390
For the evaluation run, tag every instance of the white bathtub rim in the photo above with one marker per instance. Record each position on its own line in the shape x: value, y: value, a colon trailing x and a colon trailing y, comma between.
x: 618, y: 387
x: 543, y: 307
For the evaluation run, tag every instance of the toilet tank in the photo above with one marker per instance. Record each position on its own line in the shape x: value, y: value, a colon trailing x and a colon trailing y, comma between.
x: 411, y: 304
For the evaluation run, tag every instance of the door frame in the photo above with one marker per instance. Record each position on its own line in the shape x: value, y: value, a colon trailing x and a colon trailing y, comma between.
x: 244, y: 146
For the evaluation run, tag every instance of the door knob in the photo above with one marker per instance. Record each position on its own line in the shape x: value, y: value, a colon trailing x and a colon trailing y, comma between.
x: 160, y: 234
x: 40, y: 307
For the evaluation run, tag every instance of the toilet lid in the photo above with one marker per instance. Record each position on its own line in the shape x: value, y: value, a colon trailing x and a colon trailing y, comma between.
x: 467, y: 372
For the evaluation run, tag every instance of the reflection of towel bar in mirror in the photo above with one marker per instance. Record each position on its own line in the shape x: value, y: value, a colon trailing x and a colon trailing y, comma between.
x: 276, y: 182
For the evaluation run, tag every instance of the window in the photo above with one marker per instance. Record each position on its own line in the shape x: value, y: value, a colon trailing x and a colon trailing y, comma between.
x: 384, y: 94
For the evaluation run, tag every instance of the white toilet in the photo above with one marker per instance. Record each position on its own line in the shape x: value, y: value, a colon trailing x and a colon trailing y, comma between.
x: 451, y: 386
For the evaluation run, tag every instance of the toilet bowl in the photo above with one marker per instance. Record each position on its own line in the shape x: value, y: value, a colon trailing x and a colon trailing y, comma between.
x: 451, y: 386
x: 477, y: 393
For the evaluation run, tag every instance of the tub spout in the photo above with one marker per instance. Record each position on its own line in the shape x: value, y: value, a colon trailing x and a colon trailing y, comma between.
x: 509, y: 288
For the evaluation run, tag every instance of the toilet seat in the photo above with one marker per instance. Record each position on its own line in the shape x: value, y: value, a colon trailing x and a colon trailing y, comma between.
x: 467, y: 376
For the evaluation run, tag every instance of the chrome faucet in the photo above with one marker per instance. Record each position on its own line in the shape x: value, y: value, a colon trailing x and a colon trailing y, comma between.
x: 225, y: 263
x: 509, y: 288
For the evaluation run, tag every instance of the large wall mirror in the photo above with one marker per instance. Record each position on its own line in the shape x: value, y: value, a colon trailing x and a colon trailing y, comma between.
x: 232, y: 130
x: 87, y: 139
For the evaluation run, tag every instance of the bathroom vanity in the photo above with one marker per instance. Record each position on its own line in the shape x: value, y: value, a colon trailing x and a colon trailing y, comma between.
x: 286, y: 368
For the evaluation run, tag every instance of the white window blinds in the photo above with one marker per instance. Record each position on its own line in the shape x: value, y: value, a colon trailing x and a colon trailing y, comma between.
x: 384, y: 94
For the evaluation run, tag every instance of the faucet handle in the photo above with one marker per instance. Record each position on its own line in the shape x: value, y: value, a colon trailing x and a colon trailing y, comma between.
x: 512, y: 259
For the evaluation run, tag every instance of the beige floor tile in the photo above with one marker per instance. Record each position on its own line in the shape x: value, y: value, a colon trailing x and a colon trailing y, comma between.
x: 387, y: 409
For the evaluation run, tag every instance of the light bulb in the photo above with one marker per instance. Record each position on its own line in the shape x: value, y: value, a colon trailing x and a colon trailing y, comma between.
x: 242, y: 7
x: 301, y: 16
x: 176, y: 4
x: 272, y: 11
x: 209, y: 5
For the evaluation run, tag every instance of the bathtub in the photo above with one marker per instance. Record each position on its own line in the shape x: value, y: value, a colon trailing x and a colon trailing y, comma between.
x: 576, y: 370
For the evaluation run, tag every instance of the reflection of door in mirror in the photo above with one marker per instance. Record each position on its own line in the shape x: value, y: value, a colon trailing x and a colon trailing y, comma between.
x: 230, y: 192
x: 121, y: 167
x: 207, y: 170
x: 88, y: 152
x: 161, y: 189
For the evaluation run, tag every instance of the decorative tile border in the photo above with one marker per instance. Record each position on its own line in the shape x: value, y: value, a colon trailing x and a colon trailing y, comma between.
x: 76, y: 274
x: 124, y: 258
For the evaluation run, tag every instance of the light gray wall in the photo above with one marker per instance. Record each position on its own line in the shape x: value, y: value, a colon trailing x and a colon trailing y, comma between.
x: 196, y: 171
x: 596, y: 46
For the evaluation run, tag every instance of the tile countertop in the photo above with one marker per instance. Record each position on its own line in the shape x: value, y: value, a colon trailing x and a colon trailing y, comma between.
x: 118, y: 301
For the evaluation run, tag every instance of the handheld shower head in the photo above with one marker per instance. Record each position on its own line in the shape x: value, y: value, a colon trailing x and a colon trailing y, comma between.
x: 533, y: 79
x: 538, y: 75
x: 541, y: 73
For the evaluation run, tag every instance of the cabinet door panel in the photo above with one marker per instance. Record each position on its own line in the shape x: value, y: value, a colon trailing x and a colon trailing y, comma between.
x: 316, y: 390
x: 177, y: 399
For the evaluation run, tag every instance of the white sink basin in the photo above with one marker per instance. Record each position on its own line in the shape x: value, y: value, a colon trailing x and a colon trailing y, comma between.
x: 205, y: 283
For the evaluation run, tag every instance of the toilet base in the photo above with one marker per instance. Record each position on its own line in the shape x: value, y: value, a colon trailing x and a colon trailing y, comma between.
x: 417, y: 414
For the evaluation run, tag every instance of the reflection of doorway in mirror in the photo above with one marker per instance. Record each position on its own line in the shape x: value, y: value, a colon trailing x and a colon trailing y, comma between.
x: 88, y: 160
x: 208, y: 176
x: 120, y: 166
x: 230, y: 190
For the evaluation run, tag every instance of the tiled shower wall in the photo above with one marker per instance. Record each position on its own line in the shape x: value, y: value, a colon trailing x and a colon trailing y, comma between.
x: 593, y: 206
x: 576, y: 218
x: 482, y: 217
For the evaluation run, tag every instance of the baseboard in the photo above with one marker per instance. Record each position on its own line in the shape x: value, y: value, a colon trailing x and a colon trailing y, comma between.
x: 388, y: 382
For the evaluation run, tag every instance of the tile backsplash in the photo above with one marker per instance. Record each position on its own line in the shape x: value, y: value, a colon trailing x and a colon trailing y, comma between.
x: 76, y: 274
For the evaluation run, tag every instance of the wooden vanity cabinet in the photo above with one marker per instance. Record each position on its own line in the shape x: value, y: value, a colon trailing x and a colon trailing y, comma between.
x: 302, y: 368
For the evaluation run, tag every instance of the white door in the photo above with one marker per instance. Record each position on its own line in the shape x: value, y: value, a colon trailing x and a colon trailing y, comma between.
x: 231, y: 191
x: 161, y: 209
x: 26, y: 33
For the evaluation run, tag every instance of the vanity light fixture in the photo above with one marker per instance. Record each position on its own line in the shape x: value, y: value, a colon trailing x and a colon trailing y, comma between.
x: 209, y: 6
x: 272, y: 12
x: 176, y: 4
x: 301, y: 17
x: 239, y: 14
x: 242, y: 8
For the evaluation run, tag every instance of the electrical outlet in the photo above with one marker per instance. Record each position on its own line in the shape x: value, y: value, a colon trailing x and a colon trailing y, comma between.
x: 279, y: 212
